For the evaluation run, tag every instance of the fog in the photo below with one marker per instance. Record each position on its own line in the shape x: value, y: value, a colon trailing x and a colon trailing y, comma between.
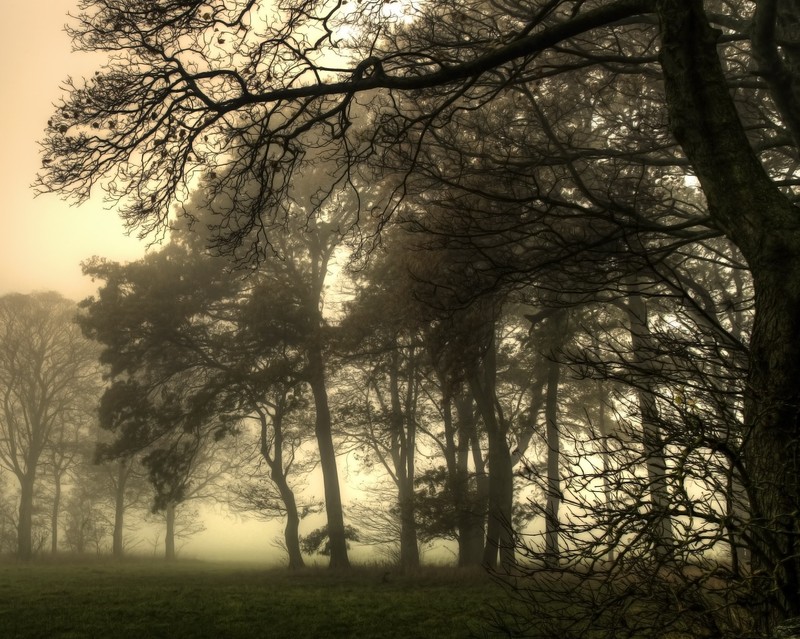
x: 44, y: 240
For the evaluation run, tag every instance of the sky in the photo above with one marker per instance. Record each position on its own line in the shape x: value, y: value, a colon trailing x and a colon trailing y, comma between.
x: 43, y: 240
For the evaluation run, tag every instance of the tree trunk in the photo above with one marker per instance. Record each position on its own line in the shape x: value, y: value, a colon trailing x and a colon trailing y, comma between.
x: 291, y: 532
x: 772, y: 451
x: 605, y: 453
x: 54, y: 514
x: 758, y: 218
x: 277, y: 473
x: 25, y: 523
x: 117, y: 548
x: 499, y: 537
x: 169, y: 537
x: 327, y: 455
x: 643, y: 354
x: 403, y: 457
x: 409, y: 546
x: 470, y: 507
x: 553, y: 504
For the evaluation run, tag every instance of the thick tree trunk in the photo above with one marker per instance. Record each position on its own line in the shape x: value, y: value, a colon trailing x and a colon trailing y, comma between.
x: 772, y: 450
x: 403, y: 457
x: 169, y: 537
x: 499, y: 536
x: 470, y: 507
x: 327, y: 454
x: 117, y: 548
x: 25, y: 523
x: 551, y: 520
x: 291, y: 532
x: 756, y: 216
x: 409, y: 546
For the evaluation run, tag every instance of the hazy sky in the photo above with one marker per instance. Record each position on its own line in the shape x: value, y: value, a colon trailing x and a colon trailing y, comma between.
x: 43, y: 240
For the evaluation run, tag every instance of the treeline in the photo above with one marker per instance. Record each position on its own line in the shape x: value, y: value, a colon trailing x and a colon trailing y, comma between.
x: 565, y: 240
x: 58, y: 492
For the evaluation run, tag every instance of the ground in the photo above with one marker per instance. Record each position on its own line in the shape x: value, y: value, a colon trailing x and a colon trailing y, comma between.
x: 194, y: 599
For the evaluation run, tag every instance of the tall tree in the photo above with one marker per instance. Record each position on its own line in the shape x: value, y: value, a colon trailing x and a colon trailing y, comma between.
x: 65, y: 452
x: 383, y: 405
x: 49, y: 381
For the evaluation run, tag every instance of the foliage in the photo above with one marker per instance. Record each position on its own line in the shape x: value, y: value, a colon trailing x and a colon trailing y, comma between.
x: 318, y: 541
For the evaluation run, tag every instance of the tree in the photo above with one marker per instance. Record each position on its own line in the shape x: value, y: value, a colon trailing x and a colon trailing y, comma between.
x: 8, y: 524
x: 66, y: 452
x: 381, y: 405
x: 101, y: 499
x: 184, y: 333
x: 124, y: 479
x: 48, y: 380
x: 281, y: 434
x: 174, y: 80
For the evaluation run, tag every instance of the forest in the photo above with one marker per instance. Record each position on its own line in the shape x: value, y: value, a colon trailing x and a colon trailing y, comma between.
x: 531, y: 267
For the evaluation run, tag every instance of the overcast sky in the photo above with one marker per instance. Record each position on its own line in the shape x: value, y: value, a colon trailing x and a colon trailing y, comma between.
x: 43, y: 240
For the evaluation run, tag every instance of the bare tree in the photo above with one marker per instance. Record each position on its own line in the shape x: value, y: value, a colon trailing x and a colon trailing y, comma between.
x: 48, y: 380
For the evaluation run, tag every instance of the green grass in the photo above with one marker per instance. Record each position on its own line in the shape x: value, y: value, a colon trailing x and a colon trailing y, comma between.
x: 193, y: 599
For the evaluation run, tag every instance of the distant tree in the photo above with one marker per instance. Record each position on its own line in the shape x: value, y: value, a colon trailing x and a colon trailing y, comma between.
x: 101, y: 499
x: 124, y: 485
x: 191, y: 457
x: 85, y: 525
x: 49, y: 380
x: 178, y: 325
x: 204, y: 470
x: 67, y: 450
x: 8, y: 516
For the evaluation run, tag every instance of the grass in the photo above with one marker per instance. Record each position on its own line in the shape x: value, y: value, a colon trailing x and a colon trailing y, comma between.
x: 193, y: 599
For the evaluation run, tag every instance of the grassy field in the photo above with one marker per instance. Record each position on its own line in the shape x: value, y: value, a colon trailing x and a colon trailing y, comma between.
x: 195, y: 599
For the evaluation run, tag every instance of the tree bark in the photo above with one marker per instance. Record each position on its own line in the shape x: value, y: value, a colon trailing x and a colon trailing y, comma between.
x: 409, y: 545
x: 277, y: 473
x: 403, y: 457
x: 327, y: 453
x: 291, y: 532
x: 470, y: 505
x: 758, y: 218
